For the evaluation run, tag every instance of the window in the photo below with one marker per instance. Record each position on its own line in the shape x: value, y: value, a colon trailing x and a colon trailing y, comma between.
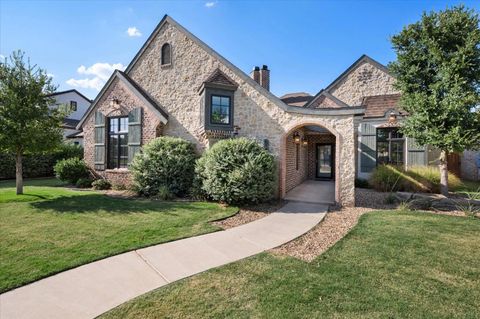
x: 390, y: 146
x: 117, y: 142
x: 166, y: 54
x: 220, y: 109
x: 73, y: 105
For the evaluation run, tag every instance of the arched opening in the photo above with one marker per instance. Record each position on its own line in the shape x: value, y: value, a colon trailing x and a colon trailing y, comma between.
x: 166, y: 54
x: 310, y: 164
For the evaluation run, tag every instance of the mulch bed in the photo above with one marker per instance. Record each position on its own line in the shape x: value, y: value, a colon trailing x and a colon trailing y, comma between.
x: 249, y: 214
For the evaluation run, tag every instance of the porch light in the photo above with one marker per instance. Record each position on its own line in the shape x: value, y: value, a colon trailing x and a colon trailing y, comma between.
x: 296, y: 138
x: 304, y: 142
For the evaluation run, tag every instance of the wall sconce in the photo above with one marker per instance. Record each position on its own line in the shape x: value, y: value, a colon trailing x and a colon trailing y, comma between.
x: 296, y: 138
x: 235, y: 130
x: 304, y: 142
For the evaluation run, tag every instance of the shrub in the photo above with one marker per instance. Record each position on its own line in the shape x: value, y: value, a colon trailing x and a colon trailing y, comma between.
x: 237, y: 171
x: 101, y: 184
x: 164, y: 193
x: 84, y: 183
x: 71, y: 170
x: 431, y: 177
x: 165, y: 161
x: 388, y: 178
x: 361, y: 183
x: 119, y: 187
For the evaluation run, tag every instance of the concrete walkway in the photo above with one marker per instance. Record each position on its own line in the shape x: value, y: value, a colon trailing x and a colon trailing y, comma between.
x: 92, y: 289
x: 312, y: 191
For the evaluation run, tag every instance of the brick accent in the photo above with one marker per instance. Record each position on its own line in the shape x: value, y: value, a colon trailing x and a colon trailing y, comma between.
x: 151, y: 127
x: 294, y: 176
x: 313, y: 139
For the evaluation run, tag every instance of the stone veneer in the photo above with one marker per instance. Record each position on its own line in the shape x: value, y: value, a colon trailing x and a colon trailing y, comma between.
x: 365, y: 80
x: 259, y: 115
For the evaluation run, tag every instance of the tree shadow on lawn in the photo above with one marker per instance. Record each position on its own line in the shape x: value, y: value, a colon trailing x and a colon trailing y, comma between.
x: 93, y: 203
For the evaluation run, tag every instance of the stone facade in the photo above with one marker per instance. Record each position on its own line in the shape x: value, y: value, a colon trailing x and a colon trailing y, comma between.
x: 365, y: 80
x: 257, y: 113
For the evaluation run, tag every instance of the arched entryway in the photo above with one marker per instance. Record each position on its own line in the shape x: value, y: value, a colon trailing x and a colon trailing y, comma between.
x: 309, y: 164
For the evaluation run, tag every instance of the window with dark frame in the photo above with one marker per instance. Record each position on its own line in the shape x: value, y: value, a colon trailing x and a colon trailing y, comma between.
x: 117, y: 142
x: 390, y: 146
x: 220, y: 109
x: 73, y: 105
x: 166, y: 54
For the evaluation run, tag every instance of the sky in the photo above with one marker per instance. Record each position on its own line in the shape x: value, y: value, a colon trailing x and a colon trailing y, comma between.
x: 306, y: 44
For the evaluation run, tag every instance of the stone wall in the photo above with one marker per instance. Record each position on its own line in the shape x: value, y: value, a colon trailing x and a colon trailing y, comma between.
x: 258, y: 114
x: 365, y: 80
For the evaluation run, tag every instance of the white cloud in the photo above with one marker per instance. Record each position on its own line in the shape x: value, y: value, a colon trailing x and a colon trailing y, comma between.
x: 2, y: 57
x: 100, y: 72
x: 133, y: 32
x: 210, y: 4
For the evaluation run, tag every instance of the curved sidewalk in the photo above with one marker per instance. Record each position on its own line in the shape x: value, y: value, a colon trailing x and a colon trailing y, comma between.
x: 92, y: 289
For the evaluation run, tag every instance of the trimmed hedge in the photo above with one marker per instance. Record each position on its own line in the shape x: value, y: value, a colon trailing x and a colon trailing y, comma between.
x: 237, y: 171
x: 71, y: 170
x: 425, y: 179
x: 164, y: 162
x: 38, y: 165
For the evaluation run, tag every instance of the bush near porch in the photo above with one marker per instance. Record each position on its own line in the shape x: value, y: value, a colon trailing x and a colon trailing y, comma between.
x: 426, y: 179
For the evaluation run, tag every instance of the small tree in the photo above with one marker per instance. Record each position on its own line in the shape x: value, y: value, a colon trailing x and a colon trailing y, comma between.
x: 27, y: 124
x: 438, y: 74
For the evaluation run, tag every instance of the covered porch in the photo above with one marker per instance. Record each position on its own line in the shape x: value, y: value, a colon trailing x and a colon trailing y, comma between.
x: 313, y: 191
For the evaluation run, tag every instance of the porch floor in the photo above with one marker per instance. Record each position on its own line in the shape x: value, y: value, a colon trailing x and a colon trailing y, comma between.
x: 312, y: 191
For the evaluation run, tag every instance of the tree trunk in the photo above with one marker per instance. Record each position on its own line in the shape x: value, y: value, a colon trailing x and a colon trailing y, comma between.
x: 443, y: 173
x: 19, y: 173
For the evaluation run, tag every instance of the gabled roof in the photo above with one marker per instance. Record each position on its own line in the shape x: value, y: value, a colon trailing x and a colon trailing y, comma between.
x: 378, y: 105
x: 218, y: 77
x: 325, y: 94
x: 70, y: 123
x: 71, y: 91
x: 203, y: 45
x: 135, y: 88
x: 351, y: 68
x: 296, y: 99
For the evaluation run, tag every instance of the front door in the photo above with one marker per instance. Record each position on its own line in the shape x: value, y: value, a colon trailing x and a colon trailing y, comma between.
x: 324, y: 160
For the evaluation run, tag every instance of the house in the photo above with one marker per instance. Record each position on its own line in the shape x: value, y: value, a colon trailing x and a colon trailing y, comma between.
x: 177, y: 85
x: 78, y: 104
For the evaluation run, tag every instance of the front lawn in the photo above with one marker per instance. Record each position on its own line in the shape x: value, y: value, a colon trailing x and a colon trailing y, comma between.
x: 52, y: 228
x: 392, y: 265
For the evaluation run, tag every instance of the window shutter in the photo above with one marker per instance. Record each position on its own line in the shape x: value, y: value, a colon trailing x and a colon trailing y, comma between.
x: 134, y: 132
x: 368, y: 147
x: 99, y: 161
x: 416, y: 154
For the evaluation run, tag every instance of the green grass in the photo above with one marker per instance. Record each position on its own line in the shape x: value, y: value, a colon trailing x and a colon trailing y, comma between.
x: 51, y: 228
x: 469, y: 188
x: 392, y: 265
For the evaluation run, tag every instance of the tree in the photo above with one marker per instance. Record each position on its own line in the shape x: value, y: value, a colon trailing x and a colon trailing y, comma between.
x: 27, y: 124
x: 438, y: 74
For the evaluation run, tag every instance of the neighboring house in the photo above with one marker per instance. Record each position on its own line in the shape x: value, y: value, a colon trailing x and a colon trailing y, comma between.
x: 176, y: 85
x: 78, y: 104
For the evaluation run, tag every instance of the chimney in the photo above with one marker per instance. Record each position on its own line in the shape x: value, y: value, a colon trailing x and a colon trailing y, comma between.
x: 255, y: 74
x: 265, y: 77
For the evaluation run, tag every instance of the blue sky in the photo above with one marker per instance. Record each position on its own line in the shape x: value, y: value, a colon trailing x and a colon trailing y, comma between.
x: 306, y: 44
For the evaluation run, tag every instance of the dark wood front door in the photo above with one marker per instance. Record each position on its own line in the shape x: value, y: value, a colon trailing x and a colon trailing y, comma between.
x: 325, y: 168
